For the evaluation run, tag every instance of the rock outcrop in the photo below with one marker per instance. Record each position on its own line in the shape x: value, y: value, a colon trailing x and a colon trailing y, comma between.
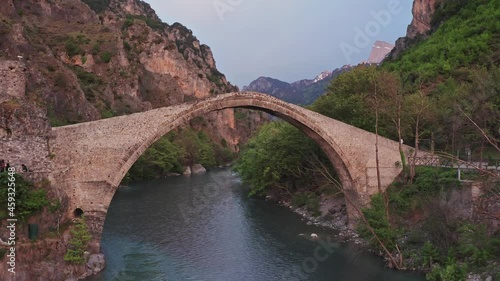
x: 198, y: 169
x: 420, y: 26
x: 86, y: 60
x: 422, y: 16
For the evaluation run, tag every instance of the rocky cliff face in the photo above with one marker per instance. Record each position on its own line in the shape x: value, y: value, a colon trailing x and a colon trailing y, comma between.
x: 106, y: 58
x: 420, y: 25
x: 70, y: 61
x: 422, y: 16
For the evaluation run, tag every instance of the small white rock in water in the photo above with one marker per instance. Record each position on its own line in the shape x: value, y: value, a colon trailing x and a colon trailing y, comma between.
x: 314, y: 235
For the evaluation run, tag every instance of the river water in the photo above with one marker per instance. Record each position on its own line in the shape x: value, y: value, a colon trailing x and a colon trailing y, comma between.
x: 205, y: 228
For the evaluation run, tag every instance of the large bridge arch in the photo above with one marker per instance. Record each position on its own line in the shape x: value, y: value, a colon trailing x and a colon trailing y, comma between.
x: 91, y: 159
x: 251, y: 101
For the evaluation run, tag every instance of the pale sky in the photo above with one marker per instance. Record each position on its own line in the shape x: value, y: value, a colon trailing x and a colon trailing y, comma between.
x: 288, y: 40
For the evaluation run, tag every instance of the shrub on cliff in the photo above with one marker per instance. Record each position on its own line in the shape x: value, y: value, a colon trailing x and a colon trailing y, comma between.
x: 79, y: 243
x: 29, y: 199
x: 97, y: 6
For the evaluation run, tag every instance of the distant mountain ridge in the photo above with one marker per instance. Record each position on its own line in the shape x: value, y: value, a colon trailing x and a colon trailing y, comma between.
x: 306, y: 91
x: 302, y: 92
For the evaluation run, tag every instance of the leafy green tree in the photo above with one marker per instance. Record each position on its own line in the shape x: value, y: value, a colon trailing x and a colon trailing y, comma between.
x: 161, y: 158
x: 274, y: 157
x: 478, y: 104
x: 346, y: 98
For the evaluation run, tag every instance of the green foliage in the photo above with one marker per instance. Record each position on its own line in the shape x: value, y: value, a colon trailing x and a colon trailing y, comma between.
x: 445, y: 10
x: 177, y: 149
x: 431, y: 181
x: 29, y: 199
x: 406, y: 199
x: 350, y: 98
x: 430, y: 254
x: 97, y: 6
x: 54, y: 206
x: 129, y: 21
x: 106, y: 57
x: 78, y: 243
x: 313, y: 205
x: 375, y: 215
x: 345, y: 99
x: 108, y: 113
x: 96, y: 48
x: 86, y: 78
x: 223, y: 155
x: 216, y: 77
x: 73, y: 47
x: 267, y: 159
x: 299, y: 199
x: 475, y: 245
x: 152, y: 23
x: 449, y: 247
x: 89, y: 83
x: 159, y: 159
x: 126, y: 46
x: 308, y: 199
x: 240, y: 115
x: 451, y: 272
x: 468, y: 37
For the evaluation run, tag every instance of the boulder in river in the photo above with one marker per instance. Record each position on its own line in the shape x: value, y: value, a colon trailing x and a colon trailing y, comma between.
x: 198, y: 169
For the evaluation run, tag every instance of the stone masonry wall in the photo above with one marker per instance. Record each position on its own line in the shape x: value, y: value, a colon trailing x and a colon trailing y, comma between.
x: 12, y: 78
x: 31, y: 151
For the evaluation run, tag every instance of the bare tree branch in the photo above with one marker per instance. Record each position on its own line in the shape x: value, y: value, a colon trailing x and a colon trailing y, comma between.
x: 485, y: 135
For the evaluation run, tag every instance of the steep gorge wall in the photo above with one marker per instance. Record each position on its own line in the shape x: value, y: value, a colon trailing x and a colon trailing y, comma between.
x: 85, y: 63
x: 62, y: 62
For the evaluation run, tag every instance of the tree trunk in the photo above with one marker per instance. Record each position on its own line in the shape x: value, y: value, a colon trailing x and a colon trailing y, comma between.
x: 432, y: 143
x: 414, y: 162
x: 379, y: 183
x: 400, y: 139
x: 481, y: 155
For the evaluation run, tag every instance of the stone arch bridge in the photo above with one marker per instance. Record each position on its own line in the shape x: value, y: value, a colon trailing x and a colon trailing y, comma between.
x: 90, y: 159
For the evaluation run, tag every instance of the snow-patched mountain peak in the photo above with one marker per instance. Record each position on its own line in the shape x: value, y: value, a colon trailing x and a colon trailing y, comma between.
x: 322, y: 76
